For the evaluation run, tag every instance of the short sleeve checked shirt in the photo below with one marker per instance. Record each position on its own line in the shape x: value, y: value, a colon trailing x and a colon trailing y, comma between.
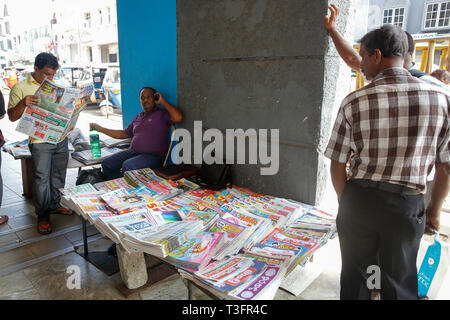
x: 394, y: 130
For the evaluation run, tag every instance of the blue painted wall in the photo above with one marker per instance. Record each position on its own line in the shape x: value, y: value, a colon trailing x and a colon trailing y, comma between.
x: 147, y: 31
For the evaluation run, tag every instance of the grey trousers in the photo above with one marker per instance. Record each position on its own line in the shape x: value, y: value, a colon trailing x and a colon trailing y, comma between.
x: 50, y: 162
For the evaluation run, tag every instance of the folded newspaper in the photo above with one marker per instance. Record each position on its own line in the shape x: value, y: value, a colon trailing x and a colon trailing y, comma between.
x: 56, y: 114
x: 85, y: 156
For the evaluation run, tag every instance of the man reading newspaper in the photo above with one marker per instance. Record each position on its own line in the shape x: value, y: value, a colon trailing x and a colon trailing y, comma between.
x: 50, y: 160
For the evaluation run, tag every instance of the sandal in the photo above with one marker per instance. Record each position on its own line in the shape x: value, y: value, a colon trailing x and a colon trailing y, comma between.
x: 44, y: 227
x: 62, y: 211
x: 3, y: 219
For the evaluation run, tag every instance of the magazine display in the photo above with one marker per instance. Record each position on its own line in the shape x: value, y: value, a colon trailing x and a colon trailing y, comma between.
x: 56, y: 113
x: 236, y: 243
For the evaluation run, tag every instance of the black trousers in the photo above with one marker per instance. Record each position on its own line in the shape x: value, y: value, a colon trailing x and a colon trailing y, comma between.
x: 379, y: 229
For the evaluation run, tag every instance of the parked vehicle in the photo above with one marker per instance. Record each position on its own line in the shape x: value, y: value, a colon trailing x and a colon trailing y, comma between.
x: 69, y: 75
x: 111, y: 90
x: 75, y: 76
x: 9, y: 78
x: 23, y: 71
x: 98, y: 74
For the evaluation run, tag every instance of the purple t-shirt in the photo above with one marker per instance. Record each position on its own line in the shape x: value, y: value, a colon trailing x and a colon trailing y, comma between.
x: 149, y: 132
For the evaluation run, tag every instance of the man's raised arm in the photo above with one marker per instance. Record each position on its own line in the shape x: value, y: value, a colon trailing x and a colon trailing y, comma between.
x: 343, y: 47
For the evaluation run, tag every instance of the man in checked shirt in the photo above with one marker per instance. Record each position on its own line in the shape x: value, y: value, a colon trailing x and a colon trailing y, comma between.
x: 393, y: 131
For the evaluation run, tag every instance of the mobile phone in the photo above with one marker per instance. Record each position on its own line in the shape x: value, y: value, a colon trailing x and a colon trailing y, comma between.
x: 156, y: 97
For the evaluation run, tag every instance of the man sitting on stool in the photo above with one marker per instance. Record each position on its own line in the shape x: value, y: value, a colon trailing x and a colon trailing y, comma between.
x: 149, y: 131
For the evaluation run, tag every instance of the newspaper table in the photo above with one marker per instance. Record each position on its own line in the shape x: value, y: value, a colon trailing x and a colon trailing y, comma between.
x: 56, y: 113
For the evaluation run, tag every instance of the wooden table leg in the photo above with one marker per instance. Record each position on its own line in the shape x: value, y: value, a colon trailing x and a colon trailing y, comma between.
x: 28, y: 174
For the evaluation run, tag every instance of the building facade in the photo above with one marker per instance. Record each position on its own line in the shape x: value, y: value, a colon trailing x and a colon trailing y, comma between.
x: 86, y: 33
x: 82, y: 32
x: 6, y: 43
x: 420, y: 18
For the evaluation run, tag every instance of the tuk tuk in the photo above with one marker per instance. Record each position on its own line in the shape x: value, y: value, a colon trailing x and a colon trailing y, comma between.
x: 111, y: 90
x: 98, y: 74
x: 69, y: 75
x: 10, y: 77
x: 23, y: 71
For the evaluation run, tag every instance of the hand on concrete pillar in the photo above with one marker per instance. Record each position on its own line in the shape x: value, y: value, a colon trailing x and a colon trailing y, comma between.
x: 330, y: 21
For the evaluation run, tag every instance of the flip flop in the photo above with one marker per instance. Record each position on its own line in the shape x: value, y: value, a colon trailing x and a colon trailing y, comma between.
x: 62, y: 211
x: 44, y: 227
x: 3, y: 219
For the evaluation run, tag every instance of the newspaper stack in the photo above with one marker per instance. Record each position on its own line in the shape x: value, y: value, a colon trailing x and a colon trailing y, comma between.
x: 161, y: 240
x: 261, y: 226
x: 86, y: 189
x: 18, y: 149
x: 297, y: 241
x: 141, y: 177
x: 112, y: 185
x: 197, y: 252
x: 208, y: 217
x: 90, y: 207
x: 111, y: 142
x: 85, y: 156
x: 120, y: 200
x: 138, y: 221
x: 234, y: 237
x: 240, y: 277
x: 182, y: 202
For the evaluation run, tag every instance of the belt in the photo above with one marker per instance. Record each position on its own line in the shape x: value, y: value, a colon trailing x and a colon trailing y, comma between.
x: 386, y: 186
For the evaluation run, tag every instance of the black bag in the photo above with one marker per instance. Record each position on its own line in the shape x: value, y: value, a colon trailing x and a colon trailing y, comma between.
x: 91, y: 176
x: 213, y: 176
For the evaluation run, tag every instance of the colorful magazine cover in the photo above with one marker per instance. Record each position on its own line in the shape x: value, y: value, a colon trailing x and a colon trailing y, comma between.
x: 196, y: 252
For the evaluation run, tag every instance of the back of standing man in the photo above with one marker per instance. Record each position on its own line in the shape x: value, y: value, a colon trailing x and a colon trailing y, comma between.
x: 397, y: 129
x: 50, y: 160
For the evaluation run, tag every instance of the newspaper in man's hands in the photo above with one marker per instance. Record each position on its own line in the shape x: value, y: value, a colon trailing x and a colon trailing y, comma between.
x: 56, y: 113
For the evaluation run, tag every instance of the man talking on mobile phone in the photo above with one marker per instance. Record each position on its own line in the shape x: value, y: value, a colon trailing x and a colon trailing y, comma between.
x: 149, y: 133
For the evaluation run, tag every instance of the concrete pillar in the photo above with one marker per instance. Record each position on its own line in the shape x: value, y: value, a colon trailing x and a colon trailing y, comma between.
x: 244, y: 64
x: 264, y: 64
x: 133, y: 269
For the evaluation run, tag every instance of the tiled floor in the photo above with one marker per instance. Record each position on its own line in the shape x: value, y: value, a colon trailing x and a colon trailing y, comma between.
x: 33, y: 266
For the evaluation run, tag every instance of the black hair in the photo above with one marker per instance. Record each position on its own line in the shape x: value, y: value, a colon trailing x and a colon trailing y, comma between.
x: 389, y: 39
x: 149, y: 88
x: 45, y: 59
x: 411, y: 44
